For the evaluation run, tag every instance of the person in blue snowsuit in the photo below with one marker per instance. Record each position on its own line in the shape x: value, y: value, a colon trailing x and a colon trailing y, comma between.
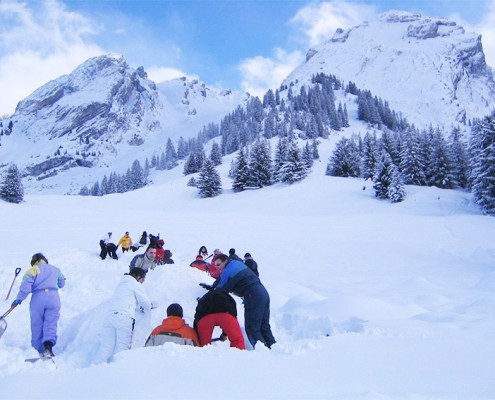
x: 42, y: 280
x: 237, y: 278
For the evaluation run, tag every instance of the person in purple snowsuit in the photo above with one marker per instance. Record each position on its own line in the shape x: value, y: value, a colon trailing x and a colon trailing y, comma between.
x: 42, y: 280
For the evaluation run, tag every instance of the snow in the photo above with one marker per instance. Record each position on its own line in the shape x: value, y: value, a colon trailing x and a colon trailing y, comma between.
x: 369, y: 300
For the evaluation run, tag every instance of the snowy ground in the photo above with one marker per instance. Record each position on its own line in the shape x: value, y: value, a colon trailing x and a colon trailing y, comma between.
x: 370, y: 300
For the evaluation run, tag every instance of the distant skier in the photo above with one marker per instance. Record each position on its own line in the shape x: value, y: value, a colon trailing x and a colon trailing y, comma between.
x: 251, y: 264
x: 42, y: 280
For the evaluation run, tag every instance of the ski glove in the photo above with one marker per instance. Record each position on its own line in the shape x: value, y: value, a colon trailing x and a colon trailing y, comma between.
x: 206, y: 286
x: 16, y: 302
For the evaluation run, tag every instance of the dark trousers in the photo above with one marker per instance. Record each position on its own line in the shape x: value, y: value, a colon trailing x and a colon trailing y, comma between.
x: 257, y: 315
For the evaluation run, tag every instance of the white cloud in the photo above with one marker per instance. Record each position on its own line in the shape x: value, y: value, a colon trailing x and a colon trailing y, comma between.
x: 487, y: 29
x: 39, y: 44
x: 313, y: 23
x: 263, y: 73
x: 318, y: 21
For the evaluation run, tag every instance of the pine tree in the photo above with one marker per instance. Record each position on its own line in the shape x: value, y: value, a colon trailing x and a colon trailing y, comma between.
x: 458, y: 155
x: 412, y: 163
x: 441, y: 167
x: 216, y: 154
x: 388, y: 183
x: 482, y: 148
x: 209, y: 182
x: 369, y: 159
x: 345, y: 160
x: 12, y: 189
x: 293, y: 168
x: 260, y: 164
x: 138, y: 178
x: 279, y: 159
x: 242, y: 173
x: 170, y: 160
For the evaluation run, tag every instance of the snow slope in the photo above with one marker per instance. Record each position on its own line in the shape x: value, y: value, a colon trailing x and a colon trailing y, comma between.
x: 369, y: 300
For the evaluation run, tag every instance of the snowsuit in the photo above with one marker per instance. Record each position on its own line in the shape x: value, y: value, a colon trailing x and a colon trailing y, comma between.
x: 142, y: 261
x: 43, y: 281
x: 173, y: 330
x: 240, y: 280
x: 119, y: 323
x: 218, y: 308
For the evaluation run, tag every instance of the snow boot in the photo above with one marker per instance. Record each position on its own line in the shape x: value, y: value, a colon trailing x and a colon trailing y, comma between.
x: 48, y: 349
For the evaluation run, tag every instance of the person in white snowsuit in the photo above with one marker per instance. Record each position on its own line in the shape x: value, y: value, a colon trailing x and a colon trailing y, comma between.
x: 118, y: 327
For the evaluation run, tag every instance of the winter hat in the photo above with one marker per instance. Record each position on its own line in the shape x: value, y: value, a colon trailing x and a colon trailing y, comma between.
x: 247, y: 255
x: 232, y: 251
x: 217, y: 251
x: 174, y: 310
x: 199, y: 258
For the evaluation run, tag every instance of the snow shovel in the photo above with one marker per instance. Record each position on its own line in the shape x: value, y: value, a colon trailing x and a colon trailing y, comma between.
x: 17, y: 270
x: 3, y: 323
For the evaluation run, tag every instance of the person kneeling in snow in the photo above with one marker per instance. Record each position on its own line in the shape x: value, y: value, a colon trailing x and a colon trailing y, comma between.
x: 42, y: 280
x: 217, y: 308
x: 118, y: 328
x: 173, y: 329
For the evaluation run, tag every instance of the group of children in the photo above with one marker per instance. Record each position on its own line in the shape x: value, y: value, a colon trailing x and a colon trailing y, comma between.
x: 108, y: 248
x: 216, y: 308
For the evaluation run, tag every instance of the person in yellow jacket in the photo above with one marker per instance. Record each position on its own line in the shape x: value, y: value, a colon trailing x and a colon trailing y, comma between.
x: 126, y: 242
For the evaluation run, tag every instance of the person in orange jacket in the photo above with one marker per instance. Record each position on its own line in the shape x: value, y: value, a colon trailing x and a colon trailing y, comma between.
x: 173, y: 329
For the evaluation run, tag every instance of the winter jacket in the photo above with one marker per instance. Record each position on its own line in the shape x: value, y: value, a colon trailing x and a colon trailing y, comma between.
x: 173, y: 330
x: 215, y: 301
x: 237, y: 278
x: 142, y: 261
x: 128, y: 297
x: 41, y: 278
x: 252, y: 265
x: 125, y: 241
x: 212, y: 269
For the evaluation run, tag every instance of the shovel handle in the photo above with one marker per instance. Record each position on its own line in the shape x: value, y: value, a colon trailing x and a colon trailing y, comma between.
x: 8, y: 312
x: 17, y: 270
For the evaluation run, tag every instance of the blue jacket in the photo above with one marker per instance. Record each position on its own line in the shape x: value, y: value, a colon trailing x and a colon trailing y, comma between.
x: 237, y: 278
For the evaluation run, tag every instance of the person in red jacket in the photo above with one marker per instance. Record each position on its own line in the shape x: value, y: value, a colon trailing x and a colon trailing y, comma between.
x: 173, y: 329
x: 218, y: 308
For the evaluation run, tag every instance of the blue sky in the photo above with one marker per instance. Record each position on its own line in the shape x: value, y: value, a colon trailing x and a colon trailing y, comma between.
x: 240, y: 45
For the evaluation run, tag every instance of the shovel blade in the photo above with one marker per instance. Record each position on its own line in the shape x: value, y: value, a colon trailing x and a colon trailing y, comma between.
x: 3, y: 326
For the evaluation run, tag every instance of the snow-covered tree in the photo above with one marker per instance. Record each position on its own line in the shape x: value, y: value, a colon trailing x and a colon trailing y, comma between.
x: 293, y: 168
x: 482, y: 147
x: 345, y: 160
x: 12, y: 189
x: 171, y: 157
x: 388, y: 182
x: 241, y: 173
x: 209, y: 182
x: 458, y: 155
x: 412, y: 163
x: 260, y: 164
x: 369, y: 157
x: 216, y: 154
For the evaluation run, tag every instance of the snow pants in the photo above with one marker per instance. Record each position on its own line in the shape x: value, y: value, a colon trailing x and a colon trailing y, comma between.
x: 227, y: 323
x: 116, y: 335
x: 257, y: 315
x: 45, y: 312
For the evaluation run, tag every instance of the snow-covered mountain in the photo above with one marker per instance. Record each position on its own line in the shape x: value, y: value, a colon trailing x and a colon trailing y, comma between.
x: 429, y: 69
x: 104, y: 114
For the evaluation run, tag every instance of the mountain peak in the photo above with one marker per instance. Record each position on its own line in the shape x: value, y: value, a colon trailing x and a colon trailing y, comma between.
x: 428, y: 68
